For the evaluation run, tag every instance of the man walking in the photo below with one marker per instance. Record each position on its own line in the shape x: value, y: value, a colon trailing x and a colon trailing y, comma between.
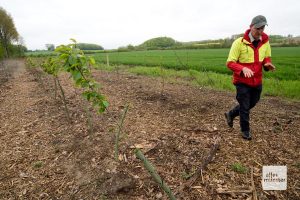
x: 247, y: 56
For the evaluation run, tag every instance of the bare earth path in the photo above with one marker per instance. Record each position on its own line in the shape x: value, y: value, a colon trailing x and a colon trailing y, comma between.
x: 42, y: 156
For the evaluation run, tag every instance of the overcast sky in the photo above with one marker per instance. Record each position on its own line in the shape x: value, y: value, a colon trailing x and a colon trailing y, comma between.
x: 115, y: 23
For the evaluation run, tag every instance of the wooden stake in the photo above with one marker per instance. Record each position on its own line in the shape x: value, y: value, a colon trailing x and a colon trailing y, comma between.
x: 107, y: 60
x: 254, y: 194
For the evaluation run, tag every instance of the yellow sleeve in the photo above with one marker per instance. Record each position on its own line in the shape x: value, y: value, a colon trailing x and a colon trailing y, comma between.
x: 234, y: 52
x: 268, y: 50
x: 267, y: 58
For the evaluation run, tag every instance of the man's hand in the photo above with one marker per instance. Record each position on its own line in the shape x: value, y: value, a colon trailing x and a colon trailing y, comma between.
x: 269, y: 66
x: 248, y: 73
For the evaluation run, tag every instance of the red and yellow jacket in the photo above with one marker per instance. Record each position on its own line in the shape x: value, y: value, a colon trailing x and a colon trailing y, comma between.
x: 244, y: 54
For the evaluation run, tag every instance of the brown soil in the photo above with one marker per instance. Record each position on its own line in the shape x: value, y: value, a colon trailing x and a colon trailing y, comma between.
x: 43, y: 156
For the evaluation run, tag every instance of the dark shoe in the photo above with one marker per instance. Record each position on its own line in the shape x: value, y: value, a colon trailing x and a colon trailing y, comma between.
x: 246, y: 135
x: 229, y: 120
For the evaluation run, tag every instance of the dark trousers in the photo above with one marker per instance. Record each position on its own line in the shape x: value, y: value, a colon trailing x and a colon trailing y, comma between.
x: 247, y: 97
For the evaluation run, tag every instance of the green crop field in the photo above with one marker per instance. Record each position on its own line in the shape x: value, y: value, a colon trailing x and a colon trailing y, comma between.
x: 207, y: 67
x: 40, y: 53
x: 286, y: 59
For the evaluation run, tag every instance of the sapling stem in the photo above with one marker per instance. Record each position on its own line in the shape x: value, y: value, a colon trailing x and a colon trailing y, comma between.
x: 64, y: 100
x: 117, y: 138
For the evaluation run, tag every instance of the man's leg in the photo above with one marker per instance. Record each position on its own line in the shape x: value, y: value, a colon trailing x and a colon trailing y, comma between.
x: 235, y: 111
x: 244, y: 97
x: 255, y: 96
x: 231, y: 115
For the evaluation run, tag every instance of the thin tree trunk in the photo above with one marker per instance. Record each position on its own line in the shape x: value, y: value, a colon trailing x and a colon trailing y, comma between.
x: 64, y: 100
x: 5, y: 46
x: 55, y: 87
x: 6, y: 50
x: 117, y: 138
x: 89, y: 119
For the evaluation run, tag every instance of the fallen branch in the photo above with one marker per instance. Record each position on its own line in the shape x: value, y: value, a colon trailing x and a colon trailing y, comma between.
x: 257, y: 163
x: 154, y: 174
x: 203, y: 166
x: 228, y: 191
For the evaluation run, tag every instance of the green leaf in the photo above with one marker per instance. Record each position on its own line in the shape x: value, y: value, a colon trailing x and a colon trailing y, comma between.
x: 84, y: 84
x: 73, y: 40
x: 101, y: 109
x: 106, y: 104
x: 86, y: 95
x: 64, y: 56
x: 92, y: 61
x: 76, y: 75
x: 71, y: 60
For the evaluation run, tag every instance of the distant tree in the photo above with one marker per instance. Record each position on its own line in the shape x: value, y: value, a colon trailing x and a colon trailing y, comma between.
x: 227, y: 42
x: 122, y: 49
x: 21, y: 46
x: 21, y: 41
x: 87, y: 46
x: 17, y: 50
x: 8, y: 31
x: 50, y: 47
x: 159, y: 43
x: 130, y: 47
x: 127, y: 48
x: 236, y: 36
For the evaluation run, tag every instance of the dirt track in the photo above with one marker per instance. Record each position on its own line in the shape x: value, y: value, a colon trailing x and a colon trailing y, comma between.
x: 45, y: 157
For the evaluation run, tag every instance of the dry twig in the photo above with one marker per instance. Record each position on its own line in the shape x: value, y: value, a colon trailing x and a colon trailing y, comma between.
x: 203, y: 166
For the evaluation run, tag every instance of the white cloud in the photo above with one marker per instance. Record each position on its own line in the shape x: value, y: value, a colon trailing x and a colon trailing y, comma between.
x: 117, y: 23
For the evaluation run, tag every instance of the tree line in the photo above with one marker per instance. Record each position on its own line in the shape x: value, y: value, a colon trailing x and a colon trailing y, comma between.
x: 82, y: 46
x: 161, y: 43
x: 11, y: 43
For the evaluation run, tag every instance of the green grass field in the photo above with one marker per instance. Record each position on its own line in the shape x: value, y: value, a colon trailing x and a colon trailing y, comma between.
x: 286, y: 59
x: 206, y: 67
x: 40, y: 53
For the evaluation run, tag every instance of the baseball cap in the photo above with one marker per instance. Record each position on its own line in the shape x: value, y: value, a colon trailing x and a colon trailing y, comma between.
x: 259, y: 21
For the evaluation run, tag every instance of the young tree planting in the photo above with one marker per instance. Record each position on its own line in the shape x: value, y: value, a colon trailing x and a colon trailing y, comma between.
x: 78, y: 65
x: 72, y: 60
